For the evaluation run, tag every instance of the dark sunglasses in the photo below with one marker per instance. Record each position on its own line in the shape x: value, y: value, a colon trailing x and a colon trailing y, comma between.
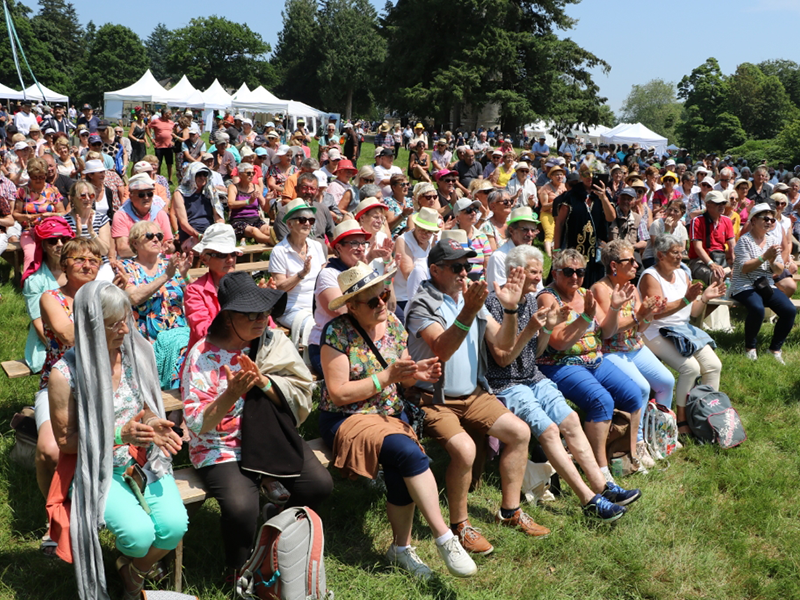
x: 145, y: 194
x: 367, y: 180
x: 780, y: 204
x: 221, y: 255
x: 254, y: 316
x: 431, y: 196
x: 625, y: 260
x: 457, y: 268
x: 505, y: 202
x: 768, y: 219
x: 372, y: 303
x: 150, y: 235
x: 54, y: 241
x: 304, y: 220
x: 470, y: 211
x: 569, y: 271
x: 449, y: 180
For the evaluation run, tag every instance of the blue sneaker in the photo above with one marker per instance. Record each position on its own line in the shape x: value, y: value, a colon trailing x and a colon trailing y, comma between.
x: 603, y: 509
x: 619, y: 495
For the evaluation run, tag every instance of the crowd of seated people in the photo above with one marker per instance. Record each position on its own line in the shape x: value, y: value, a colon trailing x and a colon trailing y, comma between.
x: 391, y: 288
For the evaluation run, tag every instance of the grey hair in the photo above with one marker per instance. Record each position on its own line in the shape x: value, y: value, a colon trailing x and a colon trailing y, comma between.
x: 794, y: 180
x: 521, y: 255
x: 761, y: 169
x: 496, y: 195
x: 565, y: 257
x: 727, y: 171
x: 613, y: 250
x: 114, y: 303
x: 663, y: 243
x: 310, y: 163
x: 370, y: 190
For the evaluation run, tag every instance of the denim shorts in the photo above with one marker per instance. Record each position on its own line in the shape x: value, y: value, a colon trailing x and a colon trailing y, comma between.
x: 539, y: 405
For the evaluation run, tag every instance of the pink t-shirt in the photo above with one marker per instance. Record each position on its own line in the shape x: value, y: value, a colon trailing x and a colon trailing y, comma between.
x: 163, y: 131
x: 122, y: 223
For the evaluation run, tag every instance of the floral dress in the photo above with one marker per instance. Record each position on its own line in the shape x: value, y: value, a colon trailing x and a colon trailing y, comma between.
x: 55, y: 350
x: 164, y: 309
x: 128, y: 402
x: 586, y: 352
x: 340, y: 335
x: 203, y: 382
x: 396, y: 209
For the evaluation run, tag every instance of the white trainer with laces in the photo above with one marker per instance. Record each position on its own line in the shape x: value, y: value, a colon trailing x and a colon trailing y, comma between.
x: 751, y: 354
x: 779, y: 357
x: 458, y: 562
x: 408, y: 560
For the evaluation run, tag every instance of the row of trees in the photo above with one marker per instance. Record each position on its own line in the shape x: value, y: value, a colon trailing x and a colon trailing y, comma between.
x: 754, y: 111
x: 428, y: 58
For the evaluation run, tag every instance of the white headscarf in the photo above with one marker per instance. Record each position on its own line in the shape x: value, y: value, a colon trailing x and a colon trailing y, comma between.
x: 189, y: 186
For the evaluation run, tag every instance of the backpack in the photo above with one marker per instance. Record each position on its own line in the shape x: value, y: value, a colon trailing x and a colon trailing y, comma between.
x: 660, y: 430
x: 712, y: 419
x: 287, y: 562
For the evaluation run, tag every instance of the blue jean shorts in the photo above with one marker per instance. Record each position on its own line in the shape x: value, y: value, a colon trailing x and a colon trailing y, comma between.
x: 539, y: 405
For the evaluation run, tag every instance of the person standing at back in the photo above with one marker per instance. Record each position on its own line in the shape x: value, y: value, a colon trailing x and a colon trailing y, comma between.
x: 162, y: 128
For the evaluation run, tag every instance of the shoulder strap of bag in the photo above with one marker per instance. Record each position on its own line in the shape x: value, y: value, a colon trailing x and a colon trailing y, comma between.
x: 369, y: 341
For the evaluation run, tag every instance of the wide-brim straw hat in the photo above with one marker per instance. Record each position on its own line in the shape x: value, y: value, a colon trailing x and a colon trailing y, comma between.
x: 427, y: 218
x: 357, y: 279
x: 346, y: 228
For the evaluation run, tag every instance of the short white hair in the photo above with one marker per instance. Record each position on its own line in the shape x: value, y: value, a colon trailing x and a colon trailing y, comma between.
x: 521, y: 255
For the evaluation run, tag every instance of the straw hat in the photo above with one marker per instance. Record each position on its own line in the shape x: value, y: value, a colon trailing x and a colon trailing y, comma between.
x: 427, y: 218
x: 368, y: 204
x: 523, y: 213
x: 357, y: 279
x: 346, y: 228
x: 458, y: 235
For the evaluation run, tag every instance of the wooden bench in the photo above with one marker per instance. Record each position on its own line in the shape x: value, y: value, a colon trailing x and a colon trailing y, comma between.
x: 249, y: 267
x: 252, y: 252
x: 16, y: 368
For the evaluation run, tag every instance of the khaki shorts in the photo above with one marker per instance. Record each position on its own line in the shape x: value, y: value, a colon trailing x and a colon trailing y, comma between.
x: 475, y: 414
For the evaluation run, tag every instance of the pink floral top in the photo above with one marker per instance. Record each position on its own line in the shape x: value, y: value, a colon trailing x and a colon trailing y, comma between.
x: 48, y: 201
x: 203, y: 382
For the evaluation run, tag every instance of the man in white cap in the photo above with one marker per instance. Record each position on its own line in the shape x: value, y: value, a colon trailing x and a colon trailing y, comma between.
x: 711, y: 241
x: 522, y: 229
x: 193, y: 148
x: 138, y: 208
x: 521, y: 187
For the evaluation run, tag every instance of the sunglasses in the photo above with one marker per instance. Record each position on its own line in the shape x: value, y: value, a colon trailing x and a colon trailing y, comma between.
x: 768, y: 219
x: 54, y: 241
x: 505, y: 202
x: 86, y: 195
x: 470, y: 211
x: 304, y: 220
x: 145, y: 194
x: 221, y: 255
x: 82, y: 260
x: 372, y: 303
x: 254, y: 316
x: 150, y: 235
x: 449, y: 181
x: 780, y: 204
x: 367, y: 180
x: 430, y: 196
x: 458, y: 268
x: 355, y: 244
x: 626, y: 260
x: 569, y: 271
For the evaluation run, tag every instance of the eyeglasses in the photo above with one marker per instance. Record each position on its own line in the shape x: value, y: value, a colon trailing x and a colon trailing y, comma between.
x: 255, y: 316
x: 768, y: 220
x: 304, y: 220
x: 458, y: 268
x: 81, y: 260
x: 37, y: 177
x: 404, y: 184
x: 145, y: 194
x: 221, y: 255
x: 430, y: 196
x: 625, y: 260
x: 86, y: 195
x: 150, y: 235
x: 367, y: 180
x: 530, y: 230
x: 117, y: 324
x: 54, y: 241
x: 372, y: 303
x: 569, y: 271
x: 449, y: 180
x: 355, y: 244
x: 705, y: 185
x: 725, y: 180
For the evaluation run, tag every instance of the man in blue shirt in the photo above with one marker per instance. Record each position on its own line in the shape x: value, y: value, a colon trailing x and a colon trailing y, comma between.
x: 447, y: 318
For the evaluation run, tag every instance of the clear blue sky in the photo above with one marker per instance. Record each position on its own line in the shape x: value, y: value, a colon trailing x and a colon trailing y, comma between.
x: 640, y: 40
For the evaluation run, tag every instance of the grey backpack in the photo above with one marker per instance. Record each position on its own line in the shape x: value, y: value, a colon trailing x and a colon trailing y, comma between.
x: 712, y: 419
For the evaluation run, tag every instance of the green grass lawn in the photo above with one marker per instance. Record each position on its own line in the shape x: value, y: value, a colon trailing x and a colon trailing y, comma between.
x: 711, y: 524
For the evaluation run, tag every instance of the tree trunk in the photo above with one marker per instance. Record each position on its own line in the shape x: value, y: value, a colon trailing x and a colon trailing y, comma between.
x: 349, y: 109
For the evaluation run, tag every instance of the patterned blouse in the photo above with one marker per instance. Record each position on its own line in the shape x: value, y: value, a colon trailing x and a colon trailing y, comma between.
x: 203, y: 382
x: 624, y: 341
x: 54, y: 348
x: 396, y: 209
x: 128, y: 402
x: 48, y: 201
x: 480, y: 244
x: 164, y: 309
x: 340, y: 335
x: 586, y: 352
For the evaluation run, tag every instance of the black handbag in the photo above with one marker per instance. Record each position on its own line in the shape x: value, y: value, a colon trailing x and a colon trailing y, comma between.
x: 763, y: 288
x: 415, y: 415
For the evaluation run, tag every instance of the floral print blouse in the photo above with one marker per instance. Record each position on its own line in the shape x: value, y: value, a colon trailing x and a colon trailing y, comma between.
x: 54, y: 348
x: 164, y: 309
x: 203, y: 382
x: 128, y: 402
x: 586, y: 352
x: 340, y: 335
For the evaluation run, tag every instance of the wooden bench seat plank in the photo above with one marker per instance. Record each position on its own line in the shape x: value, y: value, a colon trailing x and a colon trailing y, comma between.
x: 321, y: 451
x: 16, y: 368
x: 189, y: 485
x: 249, y: 267
x: 172, y: 400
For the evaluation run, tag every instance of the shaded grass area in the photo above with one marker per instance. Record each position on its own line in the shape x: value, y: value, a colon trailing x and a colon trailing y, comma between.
x: 711, y: 525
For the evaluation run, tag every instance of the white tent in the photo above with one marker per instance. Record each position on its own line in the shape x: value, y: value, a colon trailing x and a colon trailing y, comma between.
x: 50, y: 96
x: 243, y: 94
x: 184, y: 94
x: 260, y: 100
x: 635, y: 133
x: 595, y: 133
x: 147, y: 89
x: 11, y: 94
x: 215, y: 97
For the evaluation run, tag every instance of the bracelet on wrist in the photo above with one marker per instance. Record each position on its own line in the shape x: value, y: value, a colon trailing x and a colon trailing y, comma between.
x: 460, y: 325
x: 376, y: 383
x: 586, y: 318
x: 118, y: 436
x: 616, y: 309
x: 266, y: 387
x: 686, y: 300
x: 646, y: 322
x: 546, y: 330
x: 511, y: 311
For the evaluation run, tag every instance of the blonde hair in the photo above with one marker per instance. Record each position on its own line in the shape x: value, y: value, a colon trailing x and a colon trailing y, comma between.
x: 139, y: 229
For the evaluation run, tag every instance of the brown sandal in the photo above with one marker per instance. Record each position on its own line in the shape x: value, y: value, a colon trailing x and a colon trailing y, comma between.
x: 136, y: 594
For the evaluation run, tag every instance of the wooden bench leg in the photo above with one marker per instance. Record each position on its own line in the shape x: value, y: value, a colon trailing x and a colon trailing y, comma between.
x: 179, y: 567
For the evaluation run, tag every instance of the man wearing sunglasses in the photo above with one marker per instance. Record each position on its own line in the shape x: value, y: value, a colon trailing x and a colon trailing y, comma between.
x: 307, y: 188
x: 523, y: 227
x: 447, y: 319
x: 139, y: 208
x: 709, y: 234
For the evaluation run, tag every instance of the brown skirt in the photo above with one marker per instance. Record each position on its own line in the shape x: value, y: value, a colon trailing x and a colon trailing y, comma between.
x: 358, y: 442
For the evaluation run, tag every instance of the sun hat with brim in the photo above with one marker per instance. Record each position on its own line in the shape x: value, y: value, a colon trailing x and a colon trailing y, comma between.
x: 239, y: 293
x: 716, y: 197
x: 246, y: 151
x: 708, y: 181
x: 523, y: 213
x: 458, y: 235
x: 24, y: 146
x: 94, y: 166
x: 441, y: 142
x: 297, y: 205
x: 346, y: 165
x: 465, y: 203
x: 283, y: 150
x: 368, y: 204
x: 670, y: 174
x: 555, y: 169
x: 780, y: 187
x: 272, y: 134
x: 741, y: 181
x: 427, y: 218
x: 357, y: 279
x: 419, y: 126
x: 141, y: 181
x: 347, y: 228
x: 760, y: 208
x: 384, y: 127
x: 636, y: 183
x: 484, y: 186
x: 142, y: 166
x: 218, y: 237
x: 522, y: 165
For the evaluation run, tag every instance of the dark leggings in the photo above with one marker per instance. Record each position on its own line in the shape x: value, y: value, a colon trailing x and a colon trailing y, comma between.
x: 400, y: 457
x: 237, y: 493
x: 781, y: 306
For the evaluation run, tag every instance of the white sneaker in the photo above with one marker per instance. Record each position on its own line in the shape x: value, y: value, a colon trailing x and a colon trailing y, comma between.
x: 458, y: 562
x: 751, y: 354
x: 410, y: 561
x: 779, y: 357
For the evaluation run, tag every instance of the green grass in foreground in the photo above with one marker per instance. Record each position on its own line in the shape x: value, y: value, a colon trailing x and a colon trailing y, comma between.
x: 713, y: 524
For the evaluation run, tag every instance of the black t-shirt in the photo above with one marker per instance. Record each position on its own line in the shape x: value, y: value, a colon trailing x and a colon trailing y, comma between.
x: 467, y: 173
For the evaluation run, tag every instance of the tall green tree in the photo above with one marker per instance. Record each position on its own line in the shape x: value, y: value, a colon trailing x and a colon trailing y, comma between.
x: 704, y: 92
x: 115, y: 59
x: 654, y: 105
x: 789, y: 74
x: 298, y: 53
x: 353, y: 54
x: 214, y: 47
x: 454, y: 57
x: 57, y: 26
x: 157, y: 44
x: 760, y: 102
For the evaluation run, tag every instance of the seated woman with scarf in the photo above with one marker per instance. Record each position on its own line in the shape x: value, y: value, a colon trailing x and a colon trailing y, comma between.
x: 196, y: 205
x: 108, y: 421
x: 245, y: 391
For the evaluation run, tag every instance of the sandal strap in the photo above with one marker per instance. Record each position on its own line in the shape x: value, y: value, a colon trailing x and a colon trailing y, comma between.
x: 682, y: 424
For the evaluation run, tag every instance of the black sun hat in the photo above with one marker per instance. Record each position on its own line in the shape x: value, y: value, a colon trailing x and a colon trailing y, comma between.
x: 239, y: 293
